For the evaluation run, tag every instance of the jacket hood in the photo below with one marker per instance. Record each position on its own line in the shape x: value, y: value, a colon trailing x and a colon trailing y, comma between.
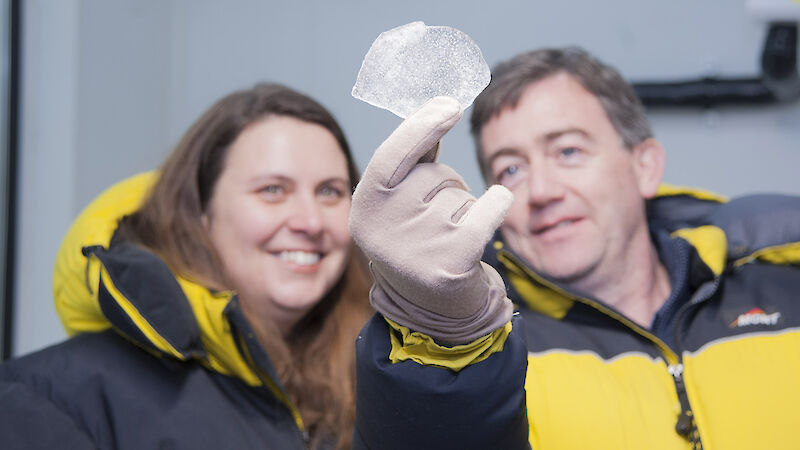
x: 730, y: 232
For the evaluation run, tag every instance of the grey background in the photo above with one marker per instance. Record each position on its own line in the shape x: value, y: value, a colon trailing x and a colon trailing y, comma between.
x: 109, y: 86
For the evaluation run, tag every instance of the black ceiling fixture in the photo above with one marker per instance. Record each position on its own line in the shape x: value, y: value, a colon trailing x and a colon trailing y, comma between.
x: 778, y: 82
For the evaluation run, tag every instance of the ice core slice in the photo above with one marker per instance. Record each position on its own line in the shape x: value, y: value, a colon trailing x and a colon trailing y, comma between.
x: 408, y: 65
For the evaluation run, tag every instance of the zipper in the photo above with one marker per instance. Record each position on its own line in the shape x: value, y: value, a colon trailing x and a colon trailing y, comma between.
x: 687, y: 425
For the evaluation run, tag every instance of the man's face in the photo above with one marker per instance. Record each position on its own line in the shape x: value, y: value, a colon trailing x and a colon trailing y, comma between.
x: 578, y: 192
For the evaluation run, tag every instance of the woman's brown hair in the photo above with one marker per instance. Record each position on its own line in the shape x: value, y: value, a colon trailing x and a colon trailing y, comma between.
x: 316, y: 361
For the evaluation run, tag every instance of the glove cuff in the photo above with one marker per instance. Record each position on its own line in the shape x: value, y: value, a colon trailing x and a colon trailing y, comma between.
x: 495, y: 312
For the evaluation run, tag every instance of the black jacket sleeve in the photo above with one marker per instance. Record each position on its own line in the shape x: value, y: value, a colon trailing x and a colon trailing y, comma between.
x: 408, y: 405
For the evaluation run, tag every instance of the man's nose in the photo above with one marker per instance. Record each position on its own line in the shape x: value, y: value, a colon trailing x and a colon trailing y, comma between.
x: 544, y: 186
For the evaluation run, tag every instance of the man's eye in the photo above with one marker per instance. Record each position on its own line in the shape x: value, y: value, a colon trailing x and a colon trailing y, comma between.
x: 510, y: 175
x: 569, y: 152
x: 510, y: 170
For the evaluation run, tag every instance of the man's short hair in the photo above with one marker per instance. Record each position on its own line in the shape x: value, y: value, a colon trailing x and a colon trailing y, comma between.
x: 510, y: 78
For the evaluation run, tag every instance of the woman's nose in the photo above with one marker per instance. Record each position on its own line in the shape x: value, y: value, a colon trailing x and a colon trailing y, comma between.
x: 306, y: 216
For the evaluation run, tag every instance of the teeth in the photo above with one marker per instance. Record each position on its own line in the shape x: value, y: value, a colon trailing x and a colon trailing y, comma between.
x: 299, y: 257
x: 564, y: 223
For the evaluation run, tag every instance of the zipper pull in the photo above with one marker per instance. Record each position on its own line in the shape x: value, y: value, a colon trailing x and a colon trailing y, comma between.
x: 684, y: 425
x: 685, y: 422
x: 676, y: 370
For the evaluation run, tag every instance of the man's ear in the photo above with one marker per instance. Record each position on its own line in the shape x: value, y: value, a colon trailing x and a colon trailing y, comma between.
x: 649, y: 161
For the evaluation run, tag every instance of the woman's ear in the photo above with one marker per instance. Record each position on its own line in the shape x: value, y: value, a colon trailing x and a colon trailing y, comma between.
x: 649, y: 161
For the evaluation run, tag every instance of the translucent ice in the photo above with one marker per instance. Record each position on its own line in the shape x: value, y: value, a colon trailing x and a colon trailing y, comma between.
x: 408, y: 65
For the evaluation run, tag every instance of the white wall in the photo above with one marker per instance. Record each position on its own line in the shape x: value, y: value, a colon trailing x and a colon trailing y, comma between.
x: 110, y: 85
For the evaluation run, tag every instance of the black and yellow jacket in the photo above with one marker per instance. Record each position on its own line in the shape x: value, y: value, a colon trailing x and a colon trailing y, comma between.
x: 726, y: 378
x: 155, y: 360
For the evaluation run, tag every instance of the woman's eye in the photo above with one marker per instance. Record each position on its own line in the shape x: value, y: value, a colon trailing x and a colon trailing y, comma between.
x: 272, y: 189
x: 331, y: 192
x: 326, y: 191
x: 272, y: 192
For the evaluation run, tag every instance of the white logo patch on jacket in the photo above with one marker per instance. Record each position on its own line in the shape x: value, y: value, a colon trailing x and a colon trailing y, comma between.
x: 756, y: 316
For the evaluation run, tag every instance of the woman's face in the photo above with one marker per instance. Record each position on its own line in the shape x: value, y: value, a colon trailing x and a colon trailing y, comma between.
x: 278, y: 217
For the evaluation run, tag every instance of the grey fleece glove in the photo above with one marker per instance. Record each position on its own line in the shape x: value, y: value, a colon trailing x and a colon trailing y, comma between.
x: 424, y: 234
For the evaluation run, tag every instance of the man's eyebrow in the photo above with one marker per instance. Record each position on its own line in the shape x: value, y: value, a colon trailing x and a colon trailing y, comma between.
x: 553, y: 135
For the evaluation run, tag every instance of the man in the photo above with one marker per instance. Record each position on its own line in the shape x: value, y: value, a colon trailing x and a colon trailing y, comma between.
x: 655, y: 318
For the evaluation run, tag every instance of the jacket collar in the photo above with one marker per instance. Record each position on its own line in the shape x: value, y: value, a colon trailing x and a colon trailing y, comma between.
x: 167, y: 314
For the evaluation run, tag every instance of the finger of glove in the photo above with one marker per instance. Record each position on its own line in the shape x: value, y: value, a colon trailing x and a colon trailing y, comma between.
x: 419, y: 208
x: 486, y: 214
x: 411, y: 141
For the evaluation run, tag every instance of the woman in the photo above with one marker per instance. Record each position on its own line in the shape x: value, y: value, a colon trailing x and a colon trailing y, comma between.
x: 232, y: 272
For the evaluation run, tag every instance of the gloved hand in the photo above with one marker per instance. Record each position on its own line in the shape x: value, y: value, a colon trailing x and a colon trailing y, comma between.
x: 424, y: 234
